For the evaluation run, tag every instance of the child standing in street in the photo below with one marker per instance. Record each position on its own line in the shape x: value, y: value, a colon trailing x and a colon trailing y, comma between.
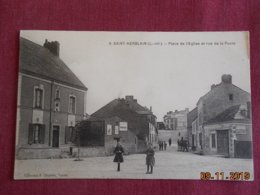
x: 150, y: 160
x: 119, y: 150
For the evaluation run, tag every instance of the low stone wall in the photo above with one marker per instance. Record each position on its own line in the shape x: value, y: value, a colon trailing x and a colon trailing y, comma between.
x: 90, y: 151
x: 37, y: 153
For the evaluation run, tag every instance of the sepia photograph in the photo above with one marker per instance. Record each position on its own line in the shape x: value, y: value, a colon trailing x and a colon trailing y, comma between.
x: 134, y: 105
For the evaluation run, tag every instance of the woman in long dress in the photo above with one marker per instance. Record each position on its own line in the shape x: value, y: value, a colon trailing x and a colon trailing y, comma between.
x: 119, y: 150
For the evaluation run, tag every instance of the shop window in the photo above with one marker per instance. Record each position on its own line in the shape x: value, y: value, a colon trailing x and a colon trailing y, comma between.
x: 36, y: 134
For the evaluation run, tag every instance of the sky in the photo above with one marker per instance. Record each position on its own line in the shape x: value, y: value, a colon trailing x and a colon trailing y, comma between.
x: 171, y: 73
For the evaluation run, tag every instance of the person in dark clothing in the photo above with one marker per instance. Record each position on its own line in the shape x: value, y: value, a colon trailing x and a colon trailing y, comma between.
x: 161, y: 145
x: 118, y: 151
x: 150, y: 160
x: 164, y: 145
x: 181, y: 143
x: 170, y: 141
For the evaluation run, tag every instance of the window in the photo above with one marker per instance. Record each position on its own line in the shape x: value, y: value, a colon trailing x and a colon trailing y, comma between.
x: 109, y: 129
x: 57, y: 106
x: 72, y: 105
x: 243, y: 112
x: 36, y: 134
x: 57, y: 101
x: 57, y: 94
x: 213, y: 140
x: 38, y: 98
x: 230, y: 96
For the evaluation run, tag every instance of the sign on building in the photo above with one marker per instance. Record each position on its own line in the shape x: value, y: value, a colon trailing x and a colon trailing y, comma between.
x: 240, y: 129
x: 123, y: 126
x: 109, y: 129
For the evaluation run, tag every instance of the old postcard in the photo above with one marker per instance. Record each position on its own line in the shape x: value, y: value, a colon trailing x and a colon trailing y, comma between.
x: 138, y: 105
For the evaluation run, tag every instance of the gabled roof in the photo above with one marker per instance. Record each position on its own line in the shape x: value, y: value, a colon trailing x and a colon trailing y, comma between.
x: 39, y: 61
x: 228, y: 115
x: 216, y: 87
x: 122, y: 109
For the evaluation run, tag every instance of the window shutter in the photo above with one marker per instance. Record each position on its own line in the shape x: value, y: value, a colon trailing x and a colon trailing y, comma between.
x: 30, y: 134
x: 42, y: 134
x: 66, y: 134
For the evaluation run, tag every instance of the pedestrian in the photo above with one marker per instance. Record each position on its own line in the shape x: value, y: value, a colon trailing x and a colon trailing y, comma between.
x: 165, y: 145
x: 182, y: 143
x: 119, y: 150
x: 170, y: 141
x: 150, y: 160
x: 160, y: 145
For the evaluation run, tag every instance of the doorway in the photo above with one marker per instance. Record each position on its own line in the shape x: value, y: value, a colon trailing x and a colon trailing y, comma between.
x: 55, y: 136
x: 222, y: 142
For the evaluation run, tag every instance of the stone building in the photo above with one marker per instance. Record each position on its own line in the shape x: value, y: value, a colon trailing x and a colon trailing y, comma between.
x: 177, y: 121
x: 128, y: 121
x: 230, y: 133
x: 51, y: 99
x: 220, y: 98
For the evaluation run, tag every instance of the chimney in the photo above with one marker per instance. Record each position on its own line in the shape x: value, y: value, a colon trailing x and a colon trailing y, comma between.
x: 129, y: 98
x: 226, y: 78
x: 212, y: 86
x: 151, y: 108
x: 53, y: 47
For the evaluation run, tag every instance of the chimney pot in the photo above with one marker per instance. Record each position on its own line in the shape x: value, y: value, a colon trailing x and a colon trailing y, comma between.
x: 129, y: 97
x: 226, y: 78
x: 53, y: 47
x: 212, y: 86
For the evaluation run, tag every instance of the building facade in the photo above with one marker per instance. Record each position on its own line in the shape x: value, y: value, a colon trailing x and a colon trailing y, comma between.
x: 51, y: 99
x: 129, y: 122
x: 177, y: 121
x: 230, y: 133
x: 191, y: 127
x: 220, y: 98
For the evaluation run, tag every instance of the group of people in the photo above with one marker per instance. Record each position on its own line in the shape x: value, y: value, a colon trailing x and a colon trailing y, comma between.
x: 183, y: 145
x: 150, y: 160
x: 163, y: 144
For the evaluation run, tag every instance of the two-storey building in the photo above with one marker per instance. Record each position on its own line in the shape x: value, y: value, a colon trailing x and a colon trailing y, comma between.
x: 51, y: 99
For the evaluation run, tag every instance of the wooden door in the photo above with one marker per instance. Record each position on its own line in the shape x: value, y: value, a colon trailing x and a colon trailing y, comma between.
x: 55, y: 136
x: 223, y: 142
